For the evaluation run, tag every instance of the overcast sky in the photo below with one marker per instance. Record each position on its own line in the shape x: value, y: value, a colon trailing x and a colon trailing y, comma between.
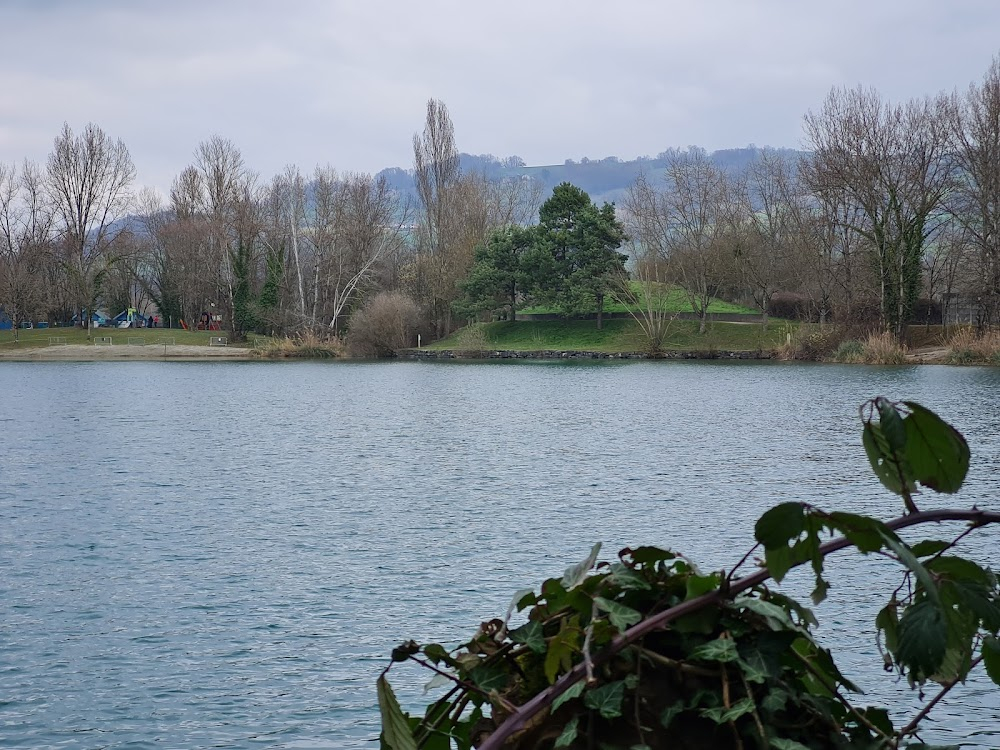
x: 345, y: 82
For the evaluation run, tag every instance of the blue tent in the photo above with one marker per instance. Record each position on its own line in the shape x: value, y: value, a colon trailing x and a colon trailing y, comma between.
x: 6, y: 323
x: 98, y: 318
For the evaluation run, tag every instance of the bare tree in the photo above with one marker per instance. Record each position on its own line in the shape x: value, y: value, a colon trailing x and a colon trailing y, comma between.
x: 88, y: 181
x: 25, y: 235
x: 765, y: 229
x: 888, y: 160
x: 686, y: 224
x: 974, y: 198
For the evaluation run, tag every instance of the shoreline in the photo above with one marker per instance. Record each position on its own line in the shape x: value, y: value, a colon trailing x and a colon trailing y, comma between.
x: 151, y: 352
x: 187, y: 353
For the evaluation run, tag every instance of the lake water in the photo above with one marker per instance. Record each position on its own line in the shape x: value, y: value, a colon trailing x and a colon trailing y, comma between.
x: 223, y: 554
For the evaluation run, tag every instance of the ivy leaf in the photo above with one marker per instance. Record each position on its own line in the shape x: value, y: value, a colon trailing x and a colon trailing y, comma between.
x: 777, y: 617
x: 575, y: 574
x: 574, y: 691
x: 936, y: 452
x: 923, y: 638
x: 779, y: 744
x: 722, y: 715
x: 991, y: 657
x: 396, y: 732
x: 721, y: 649
x: 524, y: 595
x: 626, y: 578
x: 560, y: 651
x: 779, y: 525
x: 565, y: 739
x: 531, y: 635
x: 646, y: 555
x: 607, y: 699
x: 670, y: 713
x: 489, y: 677
x: 438, y: 680
x: 621, y: 617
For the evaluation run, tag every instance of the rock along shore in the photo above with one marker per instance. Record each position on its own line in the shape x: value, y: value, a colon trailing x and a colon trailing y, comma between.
x: 556, y: 354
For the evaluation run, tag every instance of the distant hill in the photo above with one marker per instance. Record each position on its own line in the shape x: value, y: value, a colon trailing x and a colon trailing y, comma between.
x: 604, y: 179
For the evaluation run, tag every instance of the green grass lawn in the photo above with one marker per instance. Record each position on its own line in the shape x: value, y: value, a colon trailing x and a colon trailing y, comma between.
x: 673, y: 300
x: 619, y: 336
x: 28, y: 339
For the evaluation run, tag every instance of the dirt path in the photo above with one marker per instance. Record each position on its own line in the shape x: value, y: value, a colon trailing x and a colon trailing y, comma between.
x: 928, y: 355
x: 92, y: 353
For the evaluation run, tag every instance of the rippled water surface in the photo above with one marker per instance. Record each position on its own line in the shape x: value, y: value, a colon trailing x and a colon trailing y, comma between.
x: 223, y: 554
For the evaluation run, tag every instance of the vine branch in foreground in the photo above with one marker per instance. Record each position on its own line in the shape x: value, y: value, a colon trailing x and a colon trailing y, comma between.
x: 545, y: 698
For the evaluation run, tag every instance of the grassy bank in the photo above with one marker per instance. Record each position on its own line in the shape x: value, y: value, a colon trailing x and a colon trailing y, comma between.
x: 668, y: 299
x: 616, y: 336
x: 41, y: 337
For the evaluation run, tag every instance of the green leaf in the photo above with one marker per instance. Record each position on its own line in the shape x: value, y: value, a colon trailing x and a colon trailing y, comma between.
x: 777, y: 617
x: 923, y: 638
x: 574, y: 691
x: 395, y: 728
x: 936, y: 452
x: 524, y: 595
x: 863, y: 532
x: 561, y: 648
x: 780, y: 524
x: 910, y: 561
x: 887, y: 465
x: 438, y: 680
x: 879, y: 718
x: 437, y: 653
x: 647, y: 555
x: 575, y: 574
x: 697, y: 585
x: 621, y: 617
x: 991, y: 657
x: 721, y: 649
x: 627, y: 579
x: 958, y: 569
x: 568, y: 734
x: 887, y: 621
x: 670, y: 713
x: 778, y: 561
x: 929, y: 547
x: 607, y: 699
x: 531, y: 635
x: 489, y: 677
x: 780, y: 744
x: 722, y: 715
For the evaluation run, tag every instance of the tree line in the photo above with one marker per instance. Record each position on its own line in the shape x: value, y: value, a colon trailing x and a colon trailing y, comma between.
x: 893, y: 203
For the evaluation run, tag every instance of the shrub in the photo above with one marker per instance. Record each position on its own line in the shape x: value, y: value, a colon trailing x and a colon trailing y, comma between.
x: 473, y: 341
x: 966, y: 346
x: 306, y: 345
x: 389, y: 321
x: 883, y: 349
x: 850, y: 351
x: 812, y: 344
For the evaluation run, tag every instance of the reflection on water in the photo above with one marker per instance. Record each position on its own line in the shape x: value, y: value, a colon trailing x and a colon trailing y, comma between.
x: 197, y: 554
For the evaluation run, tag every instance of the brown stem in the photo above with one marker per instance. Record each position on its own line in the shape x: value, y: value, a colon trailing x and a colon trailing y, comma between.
x: 922, y: 714
x: 545, y: 698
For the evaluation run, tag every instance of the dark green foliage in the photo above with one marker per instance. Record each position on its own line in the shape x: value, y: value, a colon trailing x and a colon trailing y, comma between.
x: 574, y: 262
x: 645, y: 651
x: 498, y: 278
